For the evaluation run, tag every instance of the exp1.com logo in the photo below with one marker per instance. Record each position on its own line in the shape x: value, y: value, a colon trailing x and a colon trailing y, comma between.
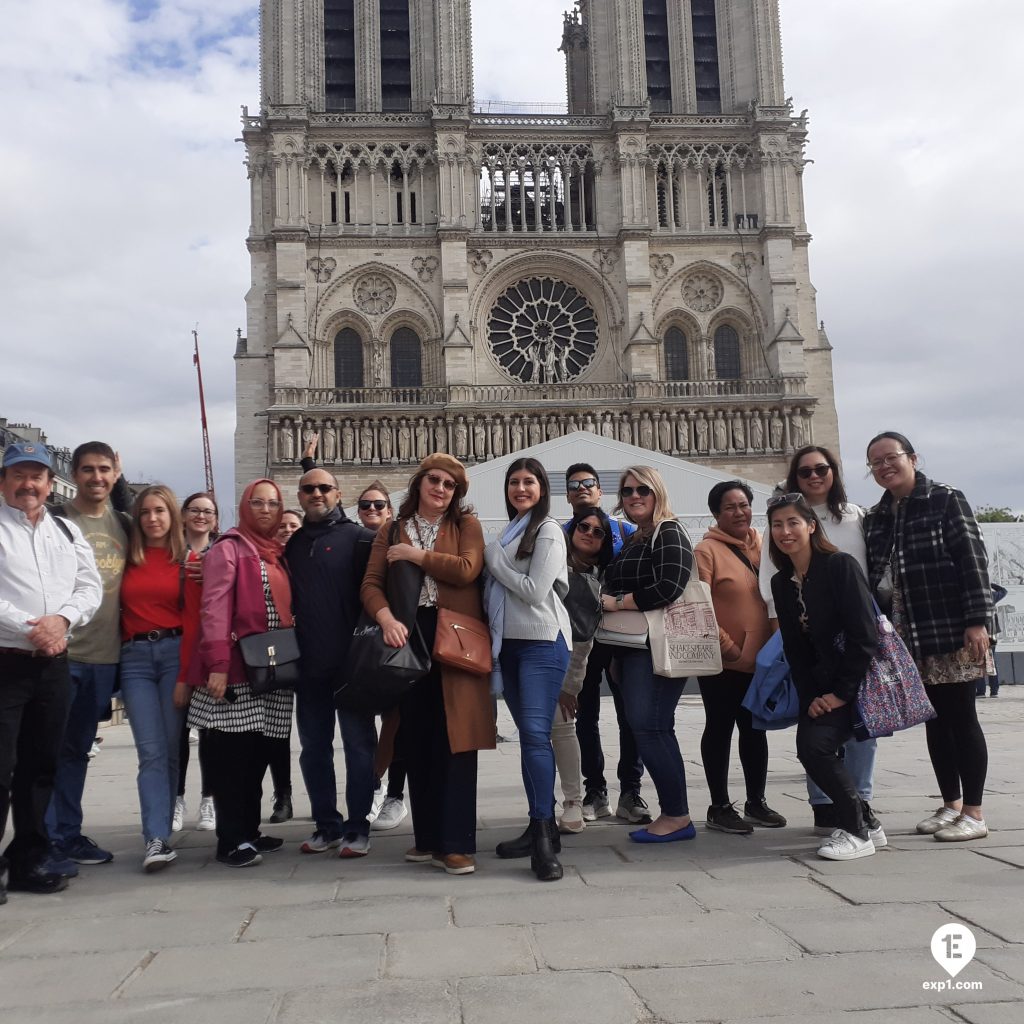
x: 953, y: 946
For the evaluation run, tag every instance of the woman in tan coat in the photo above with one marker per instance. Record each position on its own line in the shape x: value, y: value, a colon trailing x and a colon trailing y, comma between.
x: 447, y: 716
x: 727, y: 560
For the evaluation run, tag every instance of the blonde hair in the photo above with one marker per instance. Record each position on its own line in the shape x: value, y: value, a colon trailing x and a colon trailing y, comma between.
x: 175, y: 539
x: 649, y: 476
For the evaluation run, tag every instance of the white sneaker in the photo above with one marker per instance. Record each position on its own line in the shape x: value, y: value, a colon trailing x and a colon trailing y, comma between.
x: 391, y: 814
x: 965, y: 827
x: 207, y: 815
x: 877, y: 837
x: 379, y: 796
x: 844, y: 846
x: 180, y: 810
x: 354, y: 845
x: 940, y: 819
x: 572, y: 820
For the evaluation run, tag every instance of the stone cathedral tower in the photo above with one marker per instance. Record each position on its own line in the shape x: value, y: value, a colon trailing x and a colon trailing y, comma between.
x: 429, y: 272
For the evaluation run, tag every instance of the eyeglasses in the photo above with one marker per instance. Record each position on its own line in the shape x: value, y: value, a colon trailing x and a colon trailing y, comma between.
x: 316, y: 488
x: 793, y: 498
x: 821, y: 470
x: 587, y: 484
x: 259, y: 503
x: 440, y: 481
x: 587, y: 530
x: 642, y: 491
x: 365, y: 504
x: 886, y: 460
x: 195, y: 513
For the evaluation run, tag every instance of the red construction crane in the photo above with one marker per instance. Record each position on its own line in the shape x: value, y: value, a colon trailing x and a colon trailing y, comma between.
x: 207, y: 460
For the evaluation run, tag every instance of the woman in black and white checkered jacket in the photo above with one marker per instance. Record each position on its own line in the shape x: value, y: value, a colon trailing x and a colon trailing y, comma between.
x: 925, y: 549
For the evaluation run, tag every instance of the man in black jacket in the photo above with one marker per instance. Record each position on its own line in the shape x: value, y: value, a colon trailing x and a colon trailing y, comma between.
x: 327, y: 558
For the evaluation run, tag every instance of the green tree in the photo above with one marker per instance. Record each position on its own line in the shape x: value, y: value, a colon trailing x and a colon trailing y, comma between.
x: 988, y: 514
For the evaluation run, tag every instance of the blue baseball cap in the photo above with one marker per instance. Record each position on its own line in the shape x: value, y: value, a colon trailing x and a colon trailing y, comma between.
x: 27, y: 451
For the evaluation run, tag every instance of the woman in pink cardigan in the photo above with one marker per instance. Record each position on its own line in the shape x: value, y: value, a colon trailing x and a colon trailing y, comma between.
x: 245, y: 591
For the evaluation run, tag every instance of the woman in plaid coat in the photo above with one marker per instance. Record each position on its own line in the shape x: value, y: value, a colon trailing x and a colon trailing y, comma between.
x: 925, y: 550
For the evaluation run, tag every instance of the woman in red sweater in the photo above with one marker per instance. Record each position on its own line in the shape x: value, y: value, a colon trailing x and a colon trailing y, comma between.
x: 152, y: 624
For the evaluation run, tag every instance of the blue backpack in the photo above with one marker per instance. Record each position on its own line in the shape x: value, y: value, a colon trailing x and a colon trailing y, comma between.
x: 771, y: 697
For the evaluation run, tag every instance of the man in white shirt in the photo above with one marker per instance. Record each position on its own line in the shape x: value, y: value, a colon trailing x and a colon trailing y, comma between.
x: 49, y: 584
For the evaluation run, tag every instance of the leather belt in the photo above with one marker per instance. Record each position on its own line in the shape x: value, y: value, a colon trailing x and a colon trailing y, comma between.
x: 156, y: 634
x: 21, y: 652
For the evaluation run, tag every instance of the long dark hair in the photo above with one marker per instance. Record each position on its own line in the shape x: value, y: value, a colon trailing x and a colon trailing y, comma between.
x: 411, y: 502
x: 819, y: 543
x: 539, y: 512
x: 837, y: 493
x: 604, y: 555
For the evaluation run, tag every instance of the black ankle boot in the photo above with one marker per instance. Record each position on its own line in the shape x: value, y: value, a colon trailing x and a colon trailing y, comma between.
x: 282, y: 808
x: 543, y: 857
x: 513, y: 849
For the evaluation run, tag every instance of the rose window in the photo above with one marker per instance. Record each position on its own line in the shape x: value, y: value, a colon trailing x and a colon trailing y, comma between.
x: 702, y: 292
x: 542, y: 331
x: 374, y: 293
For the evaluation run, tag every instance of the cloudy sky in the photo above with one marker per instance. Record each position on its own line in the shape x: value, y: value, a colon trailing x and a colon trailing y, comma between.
x: 125, y: 210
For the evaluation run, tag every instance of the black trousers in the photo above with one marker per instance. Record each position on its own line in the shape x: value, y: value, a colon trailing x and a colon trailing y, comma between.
x: 280, y: 764
x: 956, y: 744
x: 817, y: 746
x: 35, y: 698
x: 723, y: 695
x: 237, y: 763
x: 183, y: 757
x: 588, y: 728
x: 442, y: 785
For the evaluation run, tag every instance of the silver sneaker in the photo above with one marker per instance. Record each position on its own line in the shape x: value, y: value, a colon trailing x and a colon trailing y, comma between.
x: 392, y: 813
x: 965, y: 827
x: 940, y: 819
x: 595, y: 805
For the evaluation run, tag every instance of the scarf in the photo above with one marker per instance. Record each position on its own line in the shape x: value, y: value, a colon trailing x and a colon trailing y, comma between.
x: 494, y: 601
x: 269, y: 548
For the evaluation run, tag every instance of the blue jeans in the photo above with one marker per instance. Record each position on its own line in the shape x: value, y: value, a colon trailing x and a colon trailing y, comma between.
x: 650, y: 702
x: 533, y: 671
x: 148, y: 674
x: 91, y: 688
x: 315, y: 715
x: 859, y: 758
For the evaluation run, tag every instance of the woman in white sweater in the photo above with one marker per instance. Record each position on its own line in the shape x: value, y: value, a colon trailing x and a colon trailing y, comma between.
x: 814, y: 473
x: 531, y: 639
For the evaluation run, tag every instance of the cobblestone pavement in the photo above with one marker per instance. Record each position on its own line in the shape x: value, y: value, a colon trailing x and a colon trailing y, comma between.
x: 725, y: 928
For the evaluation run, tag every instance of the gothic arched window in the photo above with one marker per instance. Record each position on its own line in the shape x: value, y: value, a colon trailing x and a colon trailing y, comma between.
x: 677, y: 360
x: 727, y: 353
x: 348, y: 359
x: 406, y: 359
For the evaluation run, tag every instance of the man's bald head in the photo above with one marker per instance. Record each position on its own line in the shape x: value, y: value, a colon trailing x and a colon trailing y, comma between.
x: 318, y: 494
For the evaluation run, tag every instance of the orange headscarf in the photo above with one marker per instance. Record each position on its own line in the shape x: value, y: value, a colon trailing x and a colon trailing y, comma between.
x: 269, y: 547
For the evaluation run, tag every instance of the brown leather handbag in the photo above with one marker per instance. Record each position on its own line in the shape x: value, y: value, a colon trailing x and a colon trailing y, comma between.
x: 463, y: 642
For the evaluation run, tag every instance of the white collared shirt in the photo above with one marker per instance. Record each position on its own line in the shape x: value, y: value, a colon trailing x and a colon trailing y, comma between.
x: 43, y: 573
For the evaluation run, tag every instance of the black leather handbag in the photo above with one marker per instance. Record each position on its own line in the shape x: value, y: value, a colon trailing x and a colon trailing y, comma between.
x: 376, y: 677
x: 271, y: 660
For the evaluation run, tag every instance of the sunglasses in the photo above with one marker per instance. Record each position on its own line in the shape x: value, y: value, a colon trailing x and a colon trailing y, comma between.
x: 588, y: 484
x: 365, y: 504
x: 197, y: 512
x: 820, y: 470
x: 316, y: 488
x: 793, y: 498
x: 439, y: 481
x: 595, y: 531
x: 642, y: 491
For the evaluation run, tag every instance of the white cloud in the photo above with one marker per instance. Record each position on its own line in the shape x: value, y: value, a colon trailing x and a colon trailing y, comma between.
x: 126, y: 209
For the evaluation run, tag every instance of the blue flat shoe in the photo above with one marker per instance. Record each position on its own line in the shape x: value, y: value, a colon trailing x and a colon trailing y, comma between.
x: 641, y: 835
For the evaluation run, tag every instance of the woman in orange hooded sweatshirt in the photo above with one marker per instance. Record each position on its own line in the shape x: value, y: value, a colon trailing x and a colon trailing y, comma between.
x: 727, y: 560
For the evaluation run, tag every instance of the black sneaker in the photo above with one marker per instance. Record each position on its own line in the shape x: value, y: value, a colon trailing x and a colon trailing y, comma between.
x: 725, y: 819
x: 871, y: 822
x: 761, y: 814
x: 158, y: 855
x: 633, y: 808
x: 244, y: 856
x: 826, y: 821
x: 595, y: 805
x: 268, y: 844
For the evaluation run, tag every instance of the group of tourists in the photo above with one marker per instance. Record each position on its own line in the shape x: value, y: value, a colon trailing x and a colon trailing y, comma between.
x: 158, y: 601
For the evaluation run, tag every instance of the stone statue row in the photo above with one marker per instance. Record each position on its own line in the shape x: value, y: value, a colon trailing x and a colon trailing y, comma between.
x: 390, y: 440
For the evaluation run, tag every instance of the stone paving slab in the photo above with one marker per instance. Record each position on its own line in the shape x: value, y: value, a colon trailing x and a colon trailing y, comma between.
x: 989, y: 1013
x: 460, y: 953
x: 579, y: 997
x: 854, y: 980
x: 350, y: 917
x: 279, y: 964
x: 236, y: 1008
x: 396, y: 1002
x: 744, y: 894
x: 49, y: 981
x: 1006, y: 882
x: 914, y: 1015
x: 1008, y: 961
x: 1003, y: 918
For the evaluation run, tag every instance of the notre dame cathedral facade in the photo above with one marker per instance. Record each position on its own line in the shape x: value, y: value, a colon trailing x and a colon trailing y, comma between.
x: 429, y: 272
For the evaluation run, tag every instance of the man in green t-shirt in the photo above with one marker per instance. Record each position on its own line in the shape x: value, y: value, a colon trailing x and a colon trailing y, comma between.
x: 93, y: 652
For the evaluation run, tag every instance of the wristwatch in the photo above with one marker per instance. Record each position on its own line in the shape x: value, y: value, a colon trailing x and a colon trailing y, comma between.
x: 619, y: 601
